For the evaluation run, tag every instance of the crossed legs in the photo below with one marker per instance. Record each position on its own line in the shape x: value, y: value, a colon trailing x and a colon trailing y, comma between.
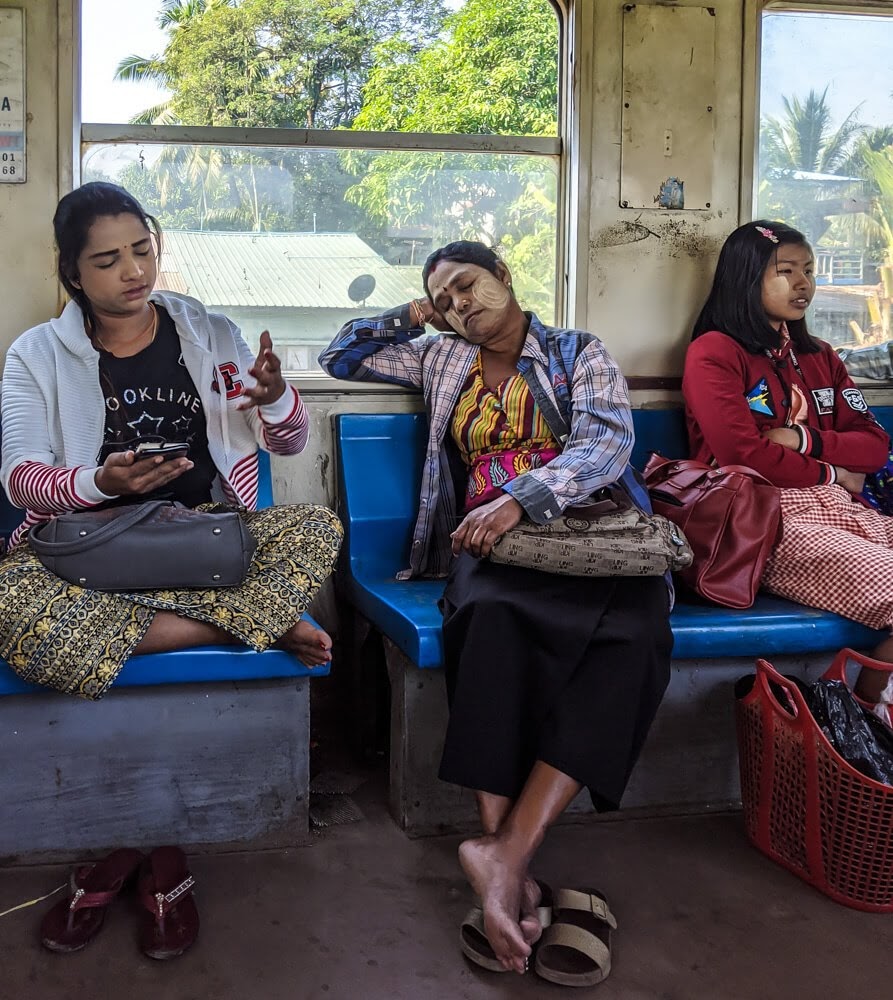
x: 497, y: 863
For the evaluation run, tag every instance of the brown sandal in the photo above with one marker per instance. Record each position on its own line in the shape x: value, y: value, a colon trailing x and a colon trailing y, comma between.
x: 170, y: 925
x: 74, y: 922
x: 576, y: 949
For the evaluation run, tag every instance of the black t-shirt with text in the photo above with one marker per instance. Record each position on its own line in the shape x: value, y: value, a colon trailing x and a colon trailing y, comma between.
x: 152, y: 395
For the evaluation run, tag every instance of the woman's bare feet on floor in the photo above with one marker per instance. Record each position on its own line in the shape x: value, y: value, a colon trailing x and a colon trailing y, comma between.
x: 499, y: 879
x: 310, y: 644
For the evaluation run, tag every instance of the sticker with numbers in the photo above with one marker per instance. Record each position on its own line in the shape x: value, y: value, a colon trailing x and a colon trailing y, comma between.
x: 12, y: 95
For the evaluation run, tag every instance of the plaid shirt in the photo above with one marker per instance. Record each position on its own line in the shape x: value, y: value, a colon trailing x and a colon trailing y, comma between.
x: 576, y: 384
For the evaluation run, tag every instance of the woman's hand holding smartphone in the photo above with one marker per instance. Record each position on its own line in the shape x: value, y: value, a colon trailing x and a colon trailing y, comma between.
x: 123, y: 473
x: 167, y: 451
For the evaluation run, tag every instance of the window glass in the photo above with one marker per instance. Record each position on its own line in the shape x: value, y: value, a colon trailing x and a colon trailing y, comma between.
x: 826, y: 161
x: 463, y: 66
x: 289, y: 236
x: 299, y: 241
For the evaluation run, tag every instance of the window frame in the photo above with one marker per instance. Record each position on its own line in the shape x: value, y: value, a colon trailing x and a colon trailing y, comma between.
x: 83, y: 136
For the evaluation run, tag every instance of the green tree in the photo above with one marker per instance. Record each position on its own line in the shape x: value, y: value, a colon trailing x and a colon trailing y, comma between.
x: 805, y: 141
x: 493, y: 71
x: 250, y: 63
x: 287, y: 63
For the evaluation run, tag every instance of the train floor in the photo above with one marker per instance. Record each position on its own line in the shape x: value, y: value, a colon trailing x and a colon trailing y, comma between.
x: 363, y: 912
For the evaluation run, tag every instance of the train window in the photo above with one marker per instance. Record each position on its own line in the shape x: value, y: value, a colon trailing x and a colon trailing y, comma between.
x: 825, y: 162
x: 304, y: 157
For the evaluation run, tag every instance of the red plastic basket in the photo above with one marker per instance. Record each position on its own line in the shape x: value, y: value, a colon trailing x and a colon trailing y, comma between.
x: 805, y: 807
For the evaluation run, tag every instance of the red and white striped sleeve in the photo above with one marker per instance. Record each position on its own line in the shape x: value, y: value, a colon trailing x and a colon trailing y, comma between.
x: 286, y: 426
x: 47, y: 489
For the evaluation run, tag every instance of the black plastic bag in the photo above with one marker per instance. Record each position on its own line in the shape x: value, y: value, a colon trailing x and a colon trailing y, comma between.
x: 856, y: 734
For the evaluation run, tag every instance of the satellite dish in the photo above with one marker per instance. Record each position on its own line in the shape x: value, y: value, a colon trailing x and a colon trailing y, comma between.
x: 361, y: 288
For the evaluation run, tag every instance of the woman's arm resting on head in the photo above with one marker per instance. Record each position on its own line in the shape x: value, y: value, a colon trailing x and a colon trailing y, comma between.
x: 386, y: 348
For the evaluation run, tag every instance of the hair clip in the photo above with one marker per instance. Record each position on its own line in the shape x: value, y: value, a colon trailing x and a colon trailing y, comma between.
x: 764, y: 231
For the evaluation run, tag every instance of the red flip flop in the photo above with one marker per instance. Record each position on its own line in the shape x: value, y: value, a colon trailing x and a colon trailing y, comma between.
x: 170, y: 924
x: 75, y: 921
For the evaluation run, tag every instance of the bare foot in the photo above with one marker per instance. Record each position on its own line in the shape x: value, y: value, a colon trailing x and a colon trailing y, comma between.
x: 310, y: 644
x: 498, y: 879
x: 531, y: 897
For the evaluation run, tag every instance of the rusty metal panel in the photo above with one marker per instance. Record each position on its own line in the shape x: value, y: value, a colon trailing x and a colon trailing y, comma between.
x: 668, y: 107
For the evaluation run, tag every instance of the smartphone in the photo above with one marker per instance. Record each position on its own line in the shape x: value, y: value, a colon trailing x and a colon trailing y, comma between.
x: 168, y: 450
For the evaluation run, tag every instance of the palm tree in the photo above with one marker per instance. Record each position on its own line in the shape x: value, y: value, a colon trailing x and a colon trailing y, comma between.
x: 173, y: 17
x: 802, y: 142
x: 805, y: 140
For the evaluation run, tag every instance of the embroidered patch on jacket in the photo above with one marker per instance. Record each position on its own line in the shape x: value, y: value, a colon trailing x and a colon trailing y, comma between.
x: 824, y: 399
x: 855, y: 400
x: 231, y: 384
x: 758, y: 398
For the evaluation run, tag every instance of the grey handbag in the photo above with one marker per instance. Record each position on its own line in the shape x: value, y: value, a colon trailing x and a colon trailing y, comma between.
x: 623, y: 542
x: 157, y: 545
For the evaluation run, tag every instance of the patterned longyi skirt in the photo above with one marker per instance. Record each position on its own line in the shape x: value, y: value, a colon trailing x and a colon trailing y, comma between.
x: 76, y: 641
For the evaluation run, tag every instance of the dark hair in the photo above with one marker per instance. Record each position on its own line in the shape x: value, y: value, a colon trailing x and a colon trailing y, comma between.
x: 462, y: 252
x: 735, y: 303
x: 75, y: 214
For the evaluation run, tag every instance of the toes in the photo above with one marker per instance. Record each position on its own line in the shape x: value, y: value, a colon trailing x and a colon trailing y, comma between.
x: 531, y: 929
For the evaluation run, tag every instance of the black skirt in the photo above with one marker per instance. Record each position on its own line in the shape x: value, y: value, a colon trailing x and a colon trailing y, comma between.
x: 566, y: 670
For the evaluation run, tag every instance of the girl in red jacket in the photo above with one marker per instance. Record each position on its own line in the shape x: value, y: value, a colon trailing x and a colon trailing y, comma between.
x: 761, y: 391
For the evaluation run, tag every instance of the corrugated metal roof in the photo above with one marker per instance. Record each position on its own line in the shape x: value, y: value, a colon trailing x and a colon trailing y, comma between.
x: 289, y: 270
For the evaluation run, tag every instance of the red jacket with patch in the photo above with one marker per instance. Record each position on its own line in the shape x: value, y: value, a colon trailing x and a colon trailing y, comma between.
x: 731, y: 396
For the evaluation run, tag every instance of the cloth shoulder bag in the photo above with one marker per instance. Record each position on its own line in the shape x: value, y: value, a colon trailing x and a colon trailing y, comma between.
x: 156, y: 545
x: 731, y: 516
x: 608, y: 538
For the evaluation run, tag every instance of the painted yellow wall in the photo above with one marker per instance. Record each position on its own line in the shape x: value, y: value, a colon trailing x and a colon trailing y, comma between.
x: 649, y: 270
x: 28, y: 288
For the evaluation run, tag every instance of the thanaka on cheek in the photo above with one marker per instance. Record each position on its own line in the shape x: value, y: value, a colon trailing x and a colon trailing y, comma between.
x: 491, y: 292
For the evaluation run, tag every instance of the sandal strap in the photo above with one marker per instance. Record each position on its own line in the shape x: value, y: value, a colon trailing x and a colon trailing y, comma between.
x: 83, y: 900
x: 474, y: 918
x: 586, y: 902
x: 544, y: 915
x: 160, y: 903
x: 578, y: 938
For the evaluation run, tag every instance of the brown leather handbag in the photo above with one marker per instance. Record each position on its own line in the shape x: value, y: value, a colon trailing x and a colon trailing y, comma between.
x: 731, y: 517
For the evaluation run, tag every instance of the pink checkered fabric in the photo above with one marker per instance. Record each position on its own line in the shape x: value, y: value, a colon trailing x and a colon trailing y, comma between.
x: 835, y: 554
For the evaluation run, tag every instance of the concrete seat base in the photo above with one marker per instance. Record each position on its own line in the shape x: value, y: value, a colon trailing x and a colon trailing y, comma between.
x: 221, y: 764
x: 689, y: 763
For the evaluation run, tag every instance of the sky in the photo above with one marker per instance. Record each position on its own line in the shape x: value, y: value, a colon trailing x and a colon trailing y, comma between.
x: 800, y: 52
x: 851, y: 55
x: 107, y: 37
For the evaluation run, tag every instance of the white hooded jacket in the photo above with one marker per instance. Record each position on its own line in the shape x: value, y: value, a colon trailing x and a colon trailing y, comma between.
x: 53, y: 410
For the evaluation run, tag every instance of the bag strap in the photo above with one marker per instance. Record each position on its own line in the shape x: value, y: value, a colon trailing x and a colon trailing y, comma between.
x: 745, y: 471
x: 129, y: 517
x: 657, y: 464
